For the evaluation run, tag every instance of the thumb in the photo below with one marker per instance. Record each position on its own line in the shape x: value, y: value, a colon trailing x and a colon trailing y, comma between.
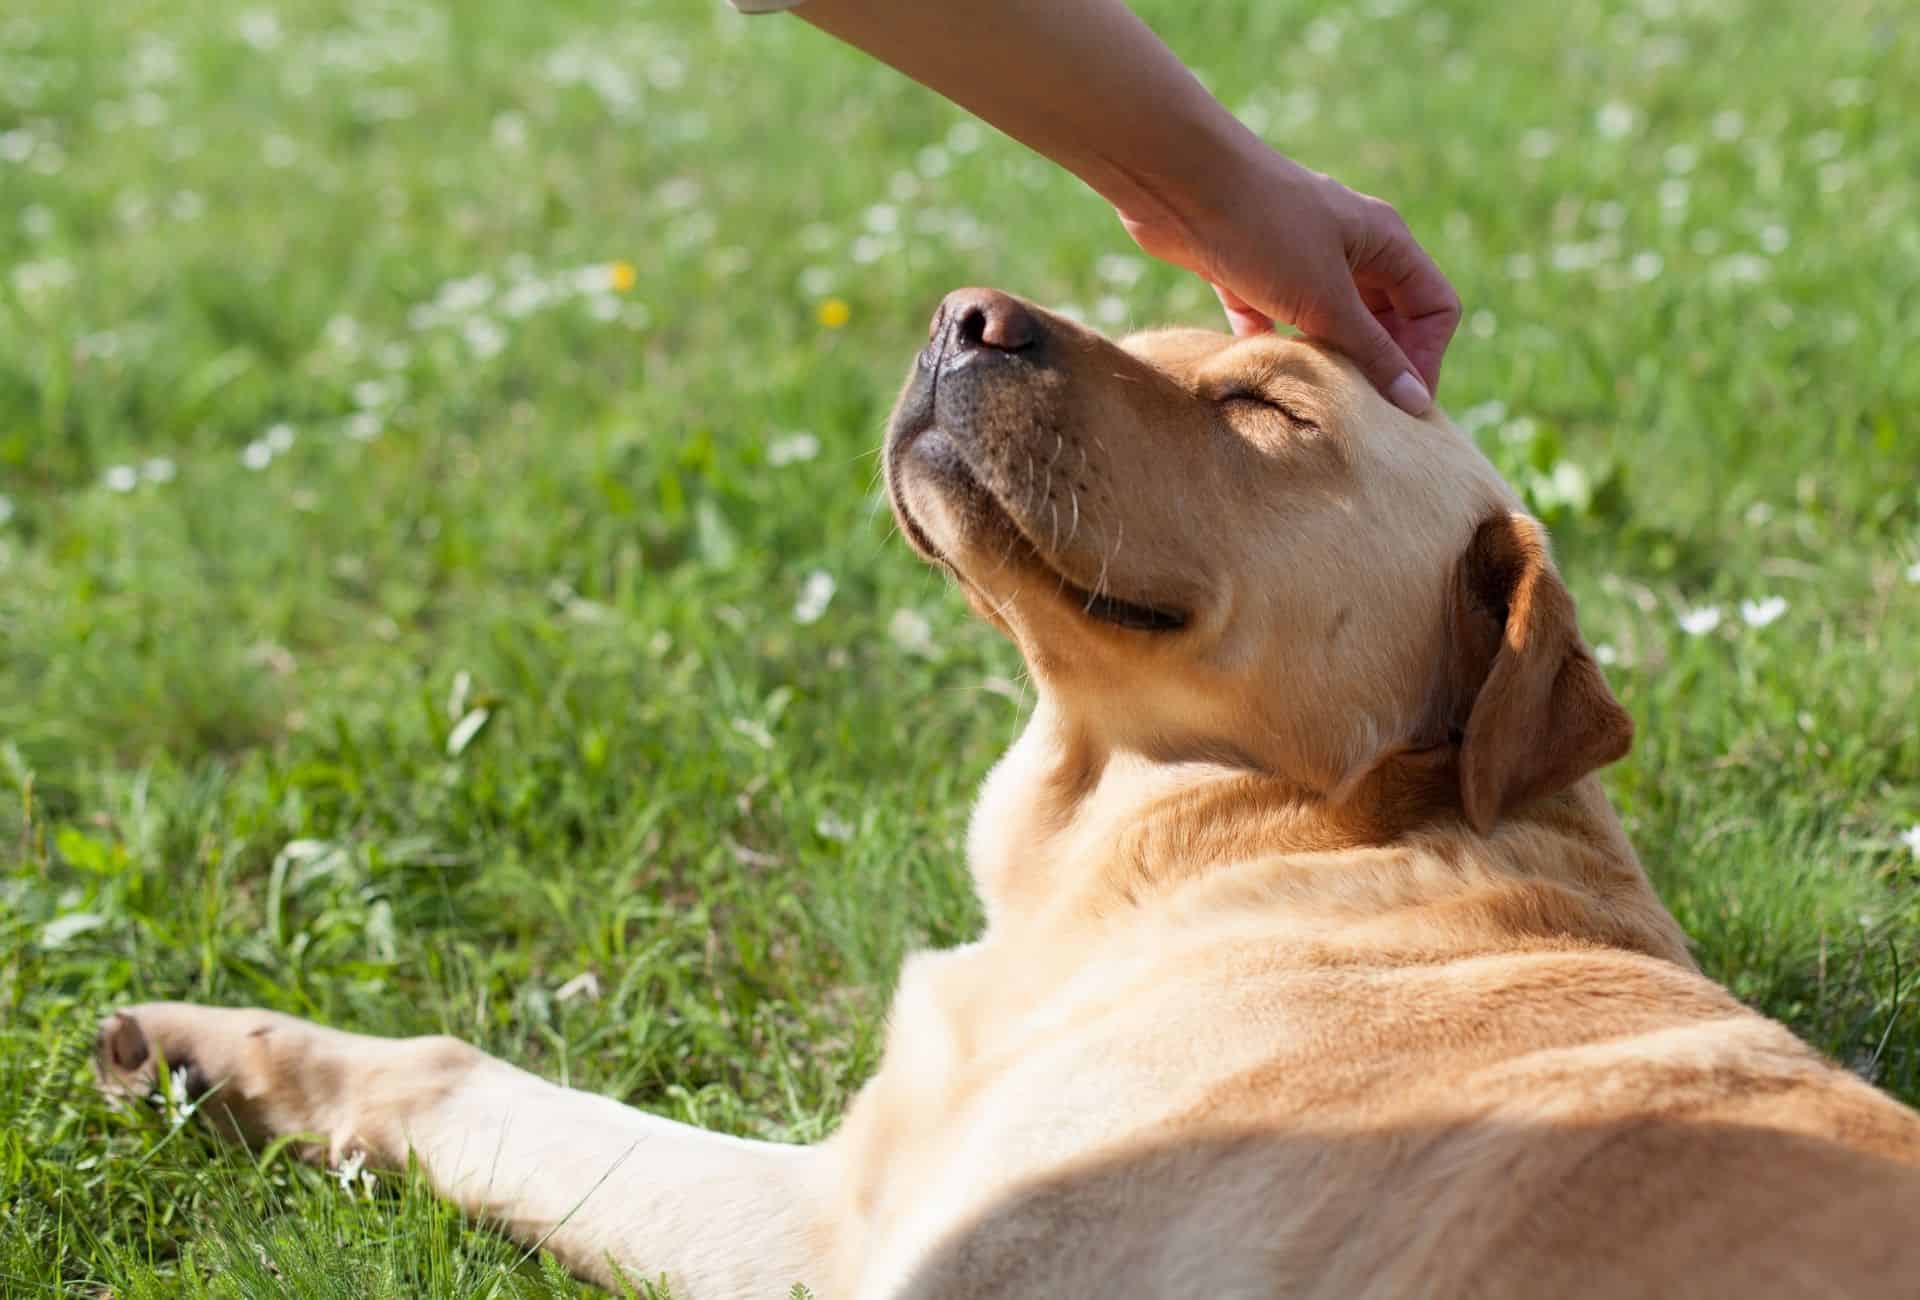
x: 1356, y: 333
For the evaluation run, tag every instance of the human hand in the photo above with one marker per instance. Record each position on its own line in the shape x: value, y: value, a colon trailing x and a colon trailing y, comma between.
x: 1280, y: 242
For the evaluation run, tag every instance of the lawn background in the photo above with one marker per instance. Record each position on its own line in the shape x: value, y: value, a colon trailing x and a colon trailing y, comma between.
x: 428, y: 433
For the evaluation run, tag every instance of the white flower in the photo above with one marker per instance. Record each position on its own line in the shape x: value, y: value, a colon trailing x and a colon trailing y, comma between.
x: 1616, y: 120
x: 665, y: 72
x: 525, y: 298
x: 815, y: 595
x: 882, y: 218
x: 159, y: 469
x: 678, y: 194
x: 1475, y: 418
x: 1913, y: 571
x: 132, y: 209
x: 601, y: 277
x: 1848, y: 91
x: 964, y: 137
x: 510, y: 131
x: 256, y: 455
x: 1123, y: 272
x: 6, y: 507
x: 834, y: 828
x: 1110, y: 310
x: 485, y: 337
x: 457, y: 297
x: 1759, y: 613
x: 1774, y: 239
x: 1741, y: 268
x: 41, y: 279
x: 147, y: 109
x: 1605, y: 655
x: 1579, y: 256
x: 1519, y: 431
x: 933, y: 162
x: 349, y: 1171
x: 179, y: 1106
x: 1699, y: 622
x: 363, y: 426
x: 122, y: 478
x: 1911, y: 838
x: 260, y: 28
x: 792, y: 449
x: 16, y: 146
x: 1728, y: 124
x: 1646, y: 266
x: 342, y: 332
x: 49, y: 158
x: 1822, y: 145
x: 1482, y: 324
x: 911, y: 632
x: 37, y: 220
x: 1537, y: 143
x: 278, y: 437
x: 1681, y: 158
x: 279, y: 151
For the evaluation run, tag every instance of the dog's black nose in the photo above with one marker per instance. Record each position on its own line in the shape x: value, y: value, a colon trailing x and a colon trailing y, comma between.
x: 973, y: 320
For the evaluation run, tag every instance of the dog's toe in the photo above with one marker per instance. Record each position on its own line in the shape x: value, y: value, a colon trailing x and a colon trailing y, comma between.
x: 122, y: 1045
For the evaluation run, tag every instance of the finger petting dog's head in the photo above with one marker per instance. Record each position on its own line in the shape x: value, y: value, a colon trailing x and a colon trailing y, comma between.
x: 1236, y: 550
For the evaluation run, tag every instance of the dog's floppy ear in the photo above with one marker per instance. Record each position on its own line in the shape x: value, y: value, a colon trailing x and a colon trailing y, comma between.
x: 1543, y: 716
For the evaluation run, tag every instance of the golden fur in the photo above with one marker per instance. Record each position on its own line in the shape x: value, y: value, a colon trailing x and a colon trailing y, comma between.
x: 1317, y: 963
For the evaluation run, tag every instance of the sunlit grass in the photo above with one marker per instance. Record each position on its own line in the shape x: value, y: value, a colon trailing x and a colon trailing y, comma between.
x: 440, y: 555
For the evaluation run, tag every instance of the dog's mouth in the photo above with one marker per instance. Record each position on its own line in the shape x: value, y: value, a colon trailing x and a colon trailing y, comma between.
x: 987, y: 510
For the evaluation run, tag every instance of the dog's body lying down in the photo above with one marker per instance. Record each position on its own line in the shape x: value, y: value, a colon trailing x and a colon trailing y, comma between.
x: 1316, y: 965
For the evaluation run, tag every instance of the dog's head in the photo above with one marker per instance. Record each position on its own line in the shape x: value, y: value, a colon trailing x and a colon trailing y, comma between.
x: 1236, y: 550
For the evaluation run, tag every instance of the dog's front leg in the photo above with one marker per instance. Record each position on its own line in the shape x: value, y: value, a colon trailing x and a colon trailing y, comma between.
x: 599, y: 1184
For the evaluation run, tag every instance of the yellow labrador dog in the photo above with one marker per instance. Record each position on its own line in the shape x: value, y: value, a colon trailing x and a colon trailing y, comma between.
x: 1316, y: 965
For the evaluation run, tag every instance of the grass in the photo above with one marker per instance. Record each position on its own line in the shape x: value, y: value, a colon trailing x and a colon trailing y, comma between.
x: 398, y: 607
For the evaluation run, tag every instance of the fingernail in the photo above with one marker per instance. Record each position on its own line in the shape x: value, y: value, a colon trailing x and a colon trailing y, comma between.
x: 1409, y: 394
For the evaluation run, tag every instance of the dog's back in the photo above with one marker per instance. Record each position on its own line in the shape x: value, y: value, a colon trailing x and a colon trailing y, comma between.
x: 1235, y: 1092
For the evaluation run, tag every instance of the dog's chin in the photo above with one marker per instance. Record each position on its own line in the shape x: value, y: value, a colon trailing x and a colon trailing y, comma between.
x: 953, y: 519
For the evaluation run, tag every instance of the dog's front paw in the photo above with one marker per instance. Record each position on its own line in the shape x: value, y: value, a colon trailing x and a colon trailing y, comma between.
x: 250, y: 1073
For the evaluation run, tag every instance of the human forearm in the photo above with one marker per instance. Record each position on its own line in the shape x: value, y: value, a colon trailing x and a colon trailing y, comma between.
x: 1084, y: 82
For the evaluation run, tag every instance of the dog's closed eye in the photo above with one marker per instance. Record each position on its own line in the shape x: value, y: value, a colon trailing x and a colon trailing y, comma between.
x: 1255, y: 400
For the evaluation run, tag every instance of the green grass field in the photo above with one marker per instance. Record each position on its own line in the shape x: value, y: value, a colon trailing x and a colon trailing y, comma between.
x: 440, y: 552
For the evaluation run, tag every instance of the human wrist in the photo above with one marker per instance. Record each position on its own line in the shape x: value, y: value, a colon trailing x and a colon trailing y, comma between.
x: 1191, y: 175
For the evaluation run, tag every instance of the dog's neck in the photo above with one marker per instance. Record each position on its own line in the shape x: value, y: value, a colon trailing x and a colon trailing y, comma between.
x: 1069, y: 830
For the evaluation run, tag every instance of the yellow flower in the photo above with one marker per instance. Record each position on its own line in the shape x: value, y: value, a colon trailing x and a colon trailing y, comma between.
x: 833, y: 313
x: 622, y: 276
